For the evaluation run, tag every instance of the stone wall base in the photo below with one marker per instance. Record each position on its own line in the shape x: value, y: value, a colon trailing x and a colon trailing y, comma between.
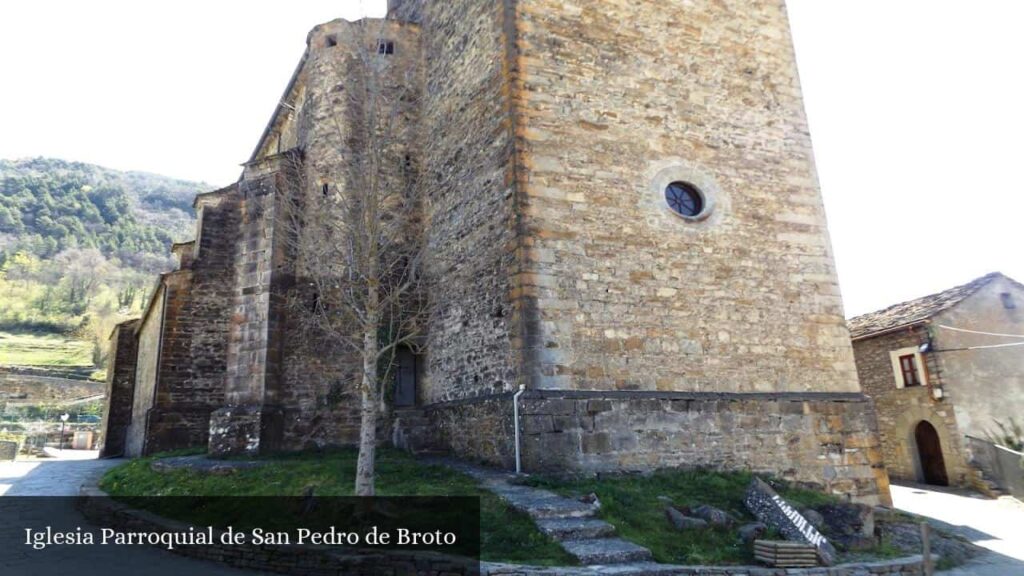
x: 821, y: 440
x: 115, y: 439
x: 247, y: 430
x: 175, y: 427
x: 490, y: 437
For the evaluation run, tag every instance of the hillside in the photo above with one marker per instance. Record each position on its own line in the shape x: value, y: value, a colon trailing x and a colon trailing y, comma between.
x: 48, y: 205
x: 79, y: 246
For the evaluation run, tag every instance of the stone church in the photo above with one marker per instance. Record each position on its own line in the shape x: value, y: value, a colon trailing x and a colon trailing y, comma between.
x: 636, y: 259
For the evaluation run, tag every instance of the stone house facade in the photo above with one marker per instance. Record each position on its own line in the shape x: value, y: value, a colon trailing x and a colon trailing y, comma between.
x: 626, y: 218
x: 938, y: 369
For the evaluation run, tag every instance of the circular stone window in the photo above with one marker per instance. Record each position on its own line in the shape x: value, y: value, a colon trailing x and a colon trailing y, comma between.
x: 686, y: 200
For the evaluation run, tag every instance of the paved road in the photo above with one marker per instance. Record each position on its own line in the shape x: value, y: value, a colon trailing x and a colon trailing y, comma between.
x: 22, y: 481
x: 997, y: 525
x: 59, y: 477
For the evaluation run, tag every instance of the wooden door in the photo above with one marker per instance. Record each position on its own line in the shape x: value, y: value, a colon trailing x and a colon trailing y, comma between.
x: 929, y: 450
x: 405, y: 378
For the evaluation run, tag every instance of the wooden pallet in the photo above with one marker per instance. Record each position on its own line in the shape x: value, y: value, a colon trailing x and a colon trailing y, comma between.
x: 782, y: 554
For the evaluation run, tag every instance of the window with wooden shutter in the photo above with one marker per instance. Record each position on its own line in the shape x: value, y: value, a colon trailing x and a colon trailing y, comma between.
x: 908, y: 368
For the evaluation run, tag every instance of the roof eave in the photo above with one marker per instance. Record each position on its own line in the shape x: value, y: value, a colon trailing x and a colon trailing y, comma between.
x: 885, y: 331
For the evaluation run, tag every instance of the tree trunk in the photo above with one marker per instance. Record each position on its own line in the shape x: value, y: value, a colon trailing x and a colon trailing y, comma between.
x: 368, y: 396
x: 367, y: 444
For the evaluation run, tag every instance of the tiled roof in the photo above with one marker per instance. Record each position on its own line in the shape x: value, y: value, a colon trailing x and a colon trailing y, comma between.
x: 914, y: 311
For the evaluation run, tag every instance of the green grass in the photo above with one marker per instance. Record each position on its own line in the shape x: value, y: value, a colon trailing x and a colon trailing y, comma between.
x: 43, y: 350
x: 506, y: 535
x: 631, y: 503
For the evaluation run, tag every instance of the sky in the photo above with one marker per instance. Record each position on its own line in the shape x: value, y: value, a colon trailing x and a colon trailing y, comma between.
x: 914, y: 107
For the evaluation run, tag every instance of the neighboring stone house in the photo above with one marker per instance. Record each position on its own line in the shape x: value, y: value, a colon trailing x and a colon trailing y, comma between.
x: 627, y: 221
x: 940, y: 368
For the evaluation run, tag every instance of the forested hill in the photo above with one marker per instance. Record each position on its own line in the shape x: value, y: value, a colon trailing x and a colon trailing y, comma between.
x: 80, y: 248
x: 48, y: 206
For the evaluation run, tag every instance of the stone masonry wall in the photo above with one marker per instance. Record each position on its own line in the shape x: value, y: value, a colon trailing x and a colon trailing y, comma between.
x: 620, y: 97
x: 458, y: 141
x: 213, y: 267
x: 901, y: 409
x: 120, y: 389
x: 148, y: 335
x: 542, y: 140
x: 257, y: 316
x: 248, y: 364
x: 193, y: 354
x: 182, y: 344
x: 490, y: 438
x: 302, y: 389
x: 824, y: 440
x: 469, y: 179
x: 318, y: 396
x: 176, y: 418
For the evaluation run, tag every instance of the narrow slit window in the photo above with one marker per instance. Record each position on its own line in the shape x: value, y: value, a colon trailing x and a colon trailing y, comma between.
x: 331, y: 41
x: 326, y: 189
x: 386, y: 47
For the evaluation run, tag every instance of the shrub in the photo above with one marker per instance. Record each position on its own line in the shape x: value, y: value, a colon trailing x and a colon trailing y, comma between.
x: 1009, y: 435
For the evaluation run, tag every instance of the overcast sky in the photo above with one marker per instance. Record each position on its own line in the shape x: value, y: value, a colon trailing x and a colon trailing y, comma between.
x: 916, y: 111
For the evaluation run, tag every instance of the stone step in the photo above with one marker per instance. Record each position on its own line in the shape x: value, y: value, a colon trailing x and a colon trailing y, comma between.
x: 413, y: 432
x: 569, y: 522
x: 413, y: 427
x: 606, y: 551
x: 433, y: 452
x: 409, y: 412
x: 540, y: 503
x: 982, y: 483
x: 416, y: 414
x: 415, y: 419
x: 419, y: 444
x: 575, y: 528
x: 413, y: 424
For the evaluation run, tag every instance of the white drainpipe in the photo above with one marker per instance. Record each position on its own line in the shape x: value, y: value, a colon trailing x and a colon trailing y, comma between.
x: 515, y: 416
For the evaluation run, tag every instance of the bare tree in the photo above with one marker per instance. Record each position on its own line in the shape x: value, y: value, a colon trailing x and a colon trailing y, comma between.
x: 83, y: 272
x: 353, y: 218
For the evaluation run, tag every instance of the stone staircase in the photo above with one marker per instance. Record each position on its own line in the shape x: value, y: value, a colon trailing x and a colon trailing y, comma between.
x: 571, y: 523
x: 413, y: 432
x: 980, y: 482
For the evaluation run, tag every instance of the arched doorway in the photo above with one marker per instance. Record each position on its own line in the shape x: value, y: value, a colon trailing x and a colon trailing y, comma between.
x: 929, y: 453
